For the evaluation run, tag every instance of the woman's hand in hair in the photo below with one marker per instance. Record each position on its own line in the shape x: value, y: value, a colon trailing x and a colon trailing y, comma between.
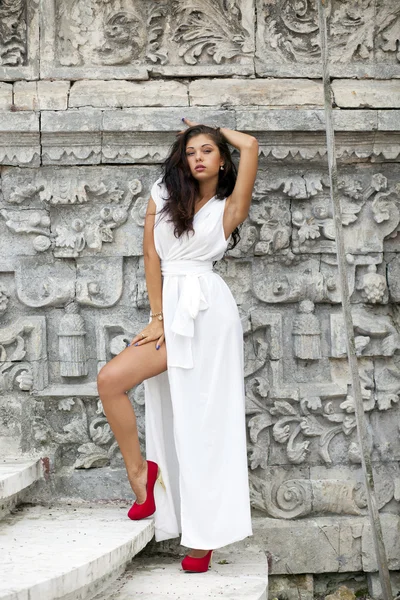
x: 187, y: 122
x: 154, y: 332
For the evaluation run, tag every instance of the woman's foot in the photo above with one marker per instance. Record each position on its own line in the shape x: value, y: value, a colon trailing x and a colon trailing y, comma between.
x: 197, y: 561
x: 138, y: 480
x: 143, y: 508
x: 198, y: 553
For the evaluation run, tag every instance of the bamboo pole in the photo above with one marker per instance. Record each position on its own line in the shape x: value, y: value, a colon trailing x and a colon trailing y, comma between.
x: 351, y: 350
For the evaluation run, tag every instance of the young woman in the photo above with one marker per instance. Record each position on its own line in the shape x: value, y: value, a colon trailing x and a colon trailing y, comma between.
x: 190, y: 355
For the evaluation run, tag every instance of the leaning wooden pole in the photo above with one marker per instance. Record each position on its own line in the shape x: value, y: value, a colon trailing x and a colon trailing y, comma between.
x: 351, y: 349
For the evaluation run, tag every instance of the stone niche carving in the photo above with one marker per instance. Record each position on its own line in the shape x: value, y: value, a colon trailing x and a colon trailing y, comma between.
x: 363, y: 35
x: 125, y: 40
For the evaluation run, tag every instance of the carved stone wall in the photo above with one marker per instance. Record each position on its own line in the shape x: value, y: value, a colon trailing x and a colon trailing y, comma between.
x: 88, y: 110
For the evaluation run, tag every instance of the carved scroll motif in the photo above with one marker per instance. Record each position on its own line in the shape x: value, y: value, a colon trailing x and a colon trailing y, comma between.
x: 294, y: 498
x: 358, y: 30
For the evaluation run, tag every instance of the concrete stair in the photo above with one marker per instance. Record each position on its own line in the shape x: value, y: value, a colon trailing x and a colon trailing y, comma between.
x: 75, y: 552
x: 16, y: 475
x: 239, y: 572
x: 66, y: 553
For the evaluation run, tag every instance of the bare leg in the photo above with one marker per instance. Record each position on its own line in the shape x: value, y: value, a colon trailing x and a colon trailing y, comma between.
x: 132, y: 366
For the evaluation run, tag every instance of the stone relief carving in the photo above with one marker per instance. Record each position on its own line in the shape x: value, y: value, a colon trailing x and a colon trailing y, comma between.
x: 303, y: 278
x: 373, y: 286
x: 99, y: 282
x: 88, y: 431
x: 13, y: 33
x: 71, y: 336
x: 81, y: 423
x: 210, y: 28
x: 135, y: 37
x: 304, y: 418
x: 67, y: 234
x: 359, y: 32
x: 307, y: 332
x: 376, y: 334
x: 127, y: 32
x: 40, y: 283
x: 23, y: 355
x: 306, y: 226
x: 294, y: 498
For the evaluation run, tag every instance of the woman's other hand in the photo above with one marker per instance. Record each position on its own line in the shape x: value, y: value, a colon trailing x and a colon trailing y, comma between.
x: 154, y: 332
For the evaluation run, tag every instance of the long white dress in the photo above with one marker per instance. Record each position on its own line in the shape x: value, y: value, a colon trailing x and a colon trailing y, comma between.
x: 195, y: 411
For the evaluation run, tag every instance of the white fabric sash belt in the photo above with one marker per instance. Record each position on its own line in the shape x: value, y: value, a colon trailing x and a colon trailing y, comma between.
x: 192, y: 299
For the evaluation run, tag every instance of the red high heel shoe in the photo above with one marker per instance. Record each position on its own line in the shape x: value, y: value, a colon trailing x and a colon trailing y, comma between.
x: 197, y: 565
x: 148, y: 507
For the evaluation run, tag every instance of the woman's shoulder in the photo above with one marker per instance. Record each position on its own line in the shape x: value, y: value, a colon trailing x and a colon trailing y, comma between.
x: 158, y: 192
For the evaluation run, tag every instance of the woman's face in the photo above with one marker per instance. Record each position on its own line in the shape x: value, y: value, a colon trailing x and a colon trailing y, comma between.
x: 201, y: 151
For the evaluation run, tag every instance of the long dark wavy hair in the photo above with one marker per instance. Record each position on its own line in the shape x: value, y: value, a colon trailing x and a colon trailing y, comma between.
x: 183, y: 188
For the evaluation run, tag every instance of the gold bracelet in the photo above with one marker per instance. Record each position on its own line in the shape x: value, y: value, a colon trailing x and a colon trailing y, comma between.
x: 159, y: 315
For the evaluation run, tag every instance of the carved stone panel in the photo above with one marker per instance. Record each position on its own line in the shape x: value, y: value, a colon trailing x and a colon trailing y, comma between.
x: 134, y: 38
x: 77, y: 213
x: 363, y: 38
x: 19, y: 39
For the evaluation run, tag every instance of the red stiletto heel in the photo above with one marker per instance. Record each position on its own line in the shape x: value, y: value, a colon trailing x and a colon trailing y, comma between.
x: 197, y: 565
x: 148, y: 507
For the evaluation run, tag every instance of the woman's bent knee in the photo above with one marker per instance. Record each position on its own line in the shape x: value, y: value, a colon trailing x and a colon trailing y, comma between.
x: 107, y: 381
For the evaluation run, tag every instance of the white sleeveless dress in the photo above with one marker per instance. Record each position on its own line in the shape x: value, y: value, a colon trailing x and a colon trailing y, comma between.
x: 195, y: 411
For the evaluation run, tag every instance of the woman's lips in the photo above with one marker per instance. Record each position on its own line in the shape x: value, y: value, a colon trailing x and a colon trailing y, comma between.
x: 199, y: 168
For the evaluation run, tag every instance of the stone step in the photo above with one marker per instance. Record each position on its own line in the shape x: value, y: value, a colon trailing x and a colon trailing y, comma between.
x: 66, y: 552
x: 16, y: 474
x: 238, y: 572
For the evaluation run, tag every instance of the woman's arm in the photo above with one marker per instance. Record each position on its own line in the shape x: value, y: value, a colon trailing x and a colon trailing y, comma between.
x: 152, y: 266
x: 240, y: 199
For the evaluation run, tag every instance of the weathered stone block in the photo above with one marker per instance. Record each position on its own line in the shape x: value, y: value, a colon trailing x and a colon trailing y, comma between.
x: 353, y: 93
x: 26, y: 95
x: 19, y: 139
x: 122, y: 94
x: 53, y: 95
x: 391, y: 537
x: 389, y: 120
x: 71, y: 137
x: 271, y: 92
x: 5, y: 96
x: 144, y: 135
x: 320, y: 545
